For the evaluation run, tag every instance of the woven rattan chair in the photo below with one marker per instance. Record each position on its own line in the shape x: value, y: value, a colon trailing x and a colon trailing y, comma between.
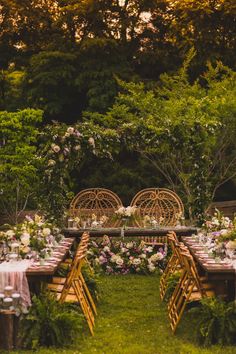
x: 98, y: 201
x: 160, y: 204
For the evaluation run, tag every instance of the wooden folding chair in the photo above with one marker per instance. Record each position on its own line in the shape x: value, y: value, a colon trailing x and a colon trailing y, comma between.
x: 189, y: 289
x: 73, y: 288
x: 173, y: 265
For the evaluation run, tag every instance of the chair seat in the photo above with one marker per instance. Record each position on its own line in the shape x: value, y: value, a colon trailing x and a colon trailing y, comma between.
x: 196, y: 296
x: 58, y: 288
x: 58, y: 280
x: 69, y: 297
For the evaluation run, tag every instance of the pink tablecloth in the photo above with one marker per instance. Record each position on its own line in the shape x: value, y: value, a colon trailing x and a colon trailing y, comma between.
x: 13, y: 273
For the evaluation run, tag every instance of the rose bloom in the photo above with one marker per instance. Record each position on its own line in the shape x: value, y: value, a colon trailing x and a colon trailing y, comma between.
x: 55, y: 148
x: 119, y: 261
x: 136, y: 261
x: 114, y: 258
x: 129, y: 245
x: 156, y: 257
x: 70, y: 130
x: 143, y: 255
x: 91, y: 141
x: 106, y: 249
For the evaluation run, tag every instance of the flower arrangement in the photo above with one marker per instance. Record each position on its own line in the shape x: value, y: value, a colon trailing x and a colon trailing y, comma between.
x: 152, y: 221
x: 33, y: 235
x: 218, y: 222
x: 126, y: 214
x: 126, y: 257
x: 223, y: 230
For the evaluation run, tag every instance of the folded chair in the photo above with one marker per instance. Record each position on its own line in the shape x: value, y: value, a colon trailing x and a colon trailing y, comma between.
x: 73, y: 288
x: 189, y: 289
x: 173, y: 265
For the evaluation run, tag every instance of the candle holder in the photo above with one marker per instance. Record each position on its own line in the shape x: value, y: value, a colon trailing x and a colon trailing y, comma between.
x: 13, y: 257
x: 70, y: 223
x: 8, y: 291
x: 15, y: 247
x: 7, y: 303
x: 16, y: 299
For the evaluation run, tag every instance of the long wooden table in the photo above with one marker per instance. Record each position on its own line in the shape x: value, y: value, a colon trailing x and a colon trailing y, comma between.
x: 51, y: 264
x: 130, y: 231
x: 221, y: 273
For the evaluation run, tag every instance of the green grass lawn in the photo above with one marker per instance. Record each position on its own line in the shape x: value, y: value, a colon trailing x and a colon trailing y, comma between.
x: 132, y: 319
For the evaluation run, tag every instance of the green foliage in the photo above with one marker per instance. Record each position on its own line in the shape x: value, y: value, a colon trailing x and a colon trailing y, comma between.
x: 216, y: 322
x: 137, y: 38
x: 50, y: 323
x: 100, y: 60
x: 63, y: 149
x: 181, y: 128
x: 11, y: 87
x: 49, y: 76
x: 19, y: 163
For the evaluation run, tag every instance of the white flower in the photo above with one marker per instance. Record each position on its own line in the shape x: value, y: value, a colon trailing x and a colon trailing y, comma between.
x: 55, y: 148
x: 46, y: 231
x: 51, y: 162
x: 25, y: 239
x: 120, y: 211
x: 149, y: 249
x: 106, y: 249
x: 91, y: 141
x: 77, y: 147
x: 130, y: 245
x: 10, y: 233
x: 151, y: 267
x: 67, y: 135
x: 119, y: 261
x: 70, y: 130
x: 136, y: 261
x: 156, y: 257
x: 123, y: 249
x: 114, y: 258
x: 143, y: 255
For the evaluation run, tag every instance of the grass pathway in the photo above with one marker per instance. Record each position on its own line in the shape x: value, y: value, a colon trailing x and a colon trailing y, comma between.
x: 132, y: 320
